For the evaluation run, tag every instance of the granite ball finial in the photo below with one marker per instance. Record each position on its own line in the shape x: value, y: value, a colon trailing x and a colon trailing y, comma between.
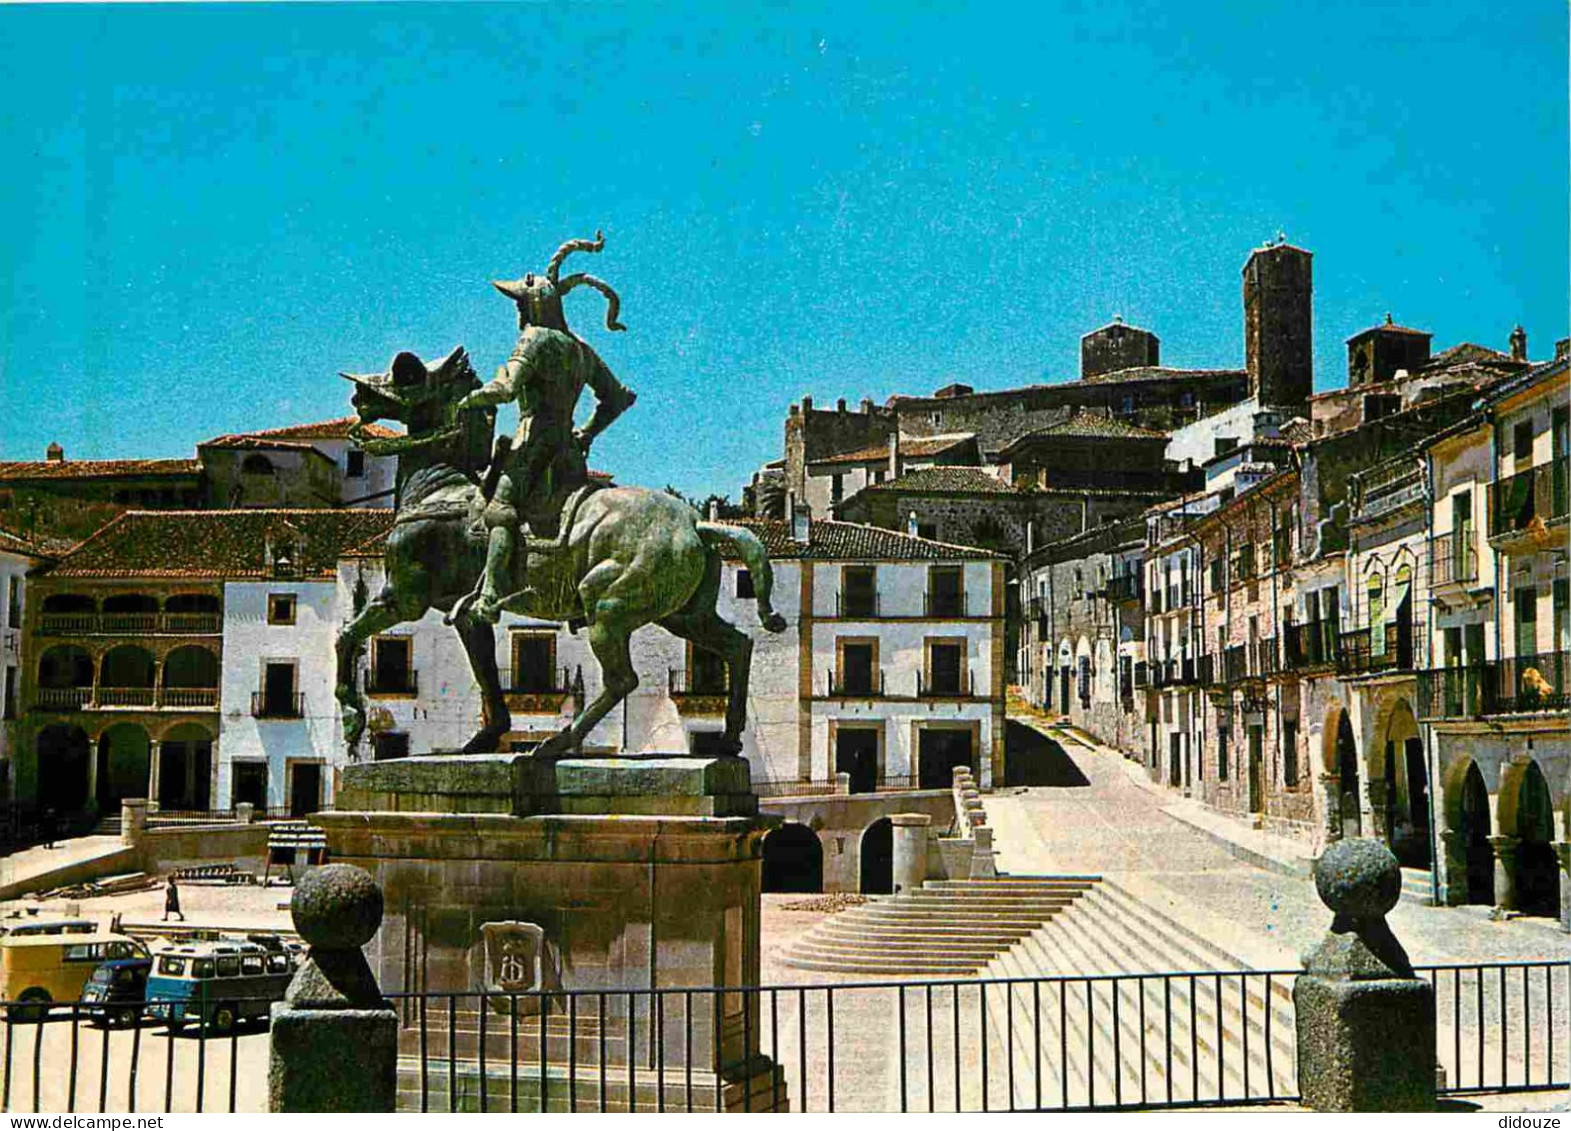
x: 1359, y: 879
x: 336, y: 907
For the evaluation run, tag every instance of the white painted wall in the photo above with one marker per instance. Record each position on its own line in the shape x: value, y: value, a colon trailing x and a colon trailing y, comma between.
x: 380, y: 472
x: 13, y: 571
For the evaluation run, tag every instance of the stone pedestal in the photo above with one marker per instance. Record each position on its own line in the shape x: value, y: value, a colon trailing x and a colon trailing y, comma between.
x: 133, y: 819
x: 1331, y: 806
x: 910, y: 849
x: 1505, y: 848
x: 641, y: 872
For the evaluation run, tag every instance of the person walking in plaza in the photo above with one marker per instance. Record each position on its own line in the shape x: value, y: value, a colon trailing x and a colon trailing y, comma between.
x: 172, y: 901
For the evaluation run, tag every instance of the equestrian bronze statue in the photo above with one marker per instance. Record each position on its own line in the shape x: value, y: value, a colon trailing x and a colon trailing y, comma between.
x: 519, y: 526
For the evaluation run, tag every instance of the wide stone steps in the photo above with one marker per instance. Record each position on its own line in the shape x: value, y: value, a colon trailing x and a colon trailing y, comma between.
x: 1162, y: 1033
x: 950, y: 928
x: 1416, y: 886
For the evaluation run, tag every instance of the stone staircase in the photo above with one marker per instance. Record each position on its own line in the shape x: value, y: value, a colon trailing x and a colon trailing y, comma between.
x: 944, y: 929
x: 1083, y: 1058
x: 1416, y: 886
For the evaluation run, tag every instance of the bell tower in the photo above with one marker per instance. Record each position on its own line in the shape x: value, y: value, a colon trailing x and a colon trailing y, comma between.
x: 1279, y: 349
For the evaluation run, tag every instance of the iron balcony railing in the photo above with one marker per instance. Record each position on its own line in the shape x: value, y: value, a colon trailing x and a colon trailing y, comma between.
x: 532, y: 681
x: 1124, y: 587
x: 1528, y: 684
x: 701, y: 681
x: 392, y: 681
x: 944, y: 604
x: 265, y: 705
x: 188, y: 697
x: 1453, y: 558
x: 62, y: 698
x: 1266, y: 658
x: 129, y: 624
x: 865, y: 683
x: 1178, y: 671
x: 1204, y: 1038
x: 1356, y: 654
x: 1143, y: 674
x: 1205, y: 670
x: 1537, y: 493
x: 856, y: 603
x: 1309, y: 645
x: 957, y: 686
x: 1235, y: 663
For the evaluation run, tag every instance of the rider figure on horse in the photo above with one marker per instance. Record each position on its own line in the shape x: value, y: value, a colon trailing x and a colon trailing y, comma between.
x: 533, y: 473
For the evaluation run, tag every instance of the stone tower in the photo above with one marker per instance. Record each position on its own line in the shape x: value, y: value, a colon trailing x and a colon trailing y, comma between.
x: 1278, y: 325
x: 1116, y: 346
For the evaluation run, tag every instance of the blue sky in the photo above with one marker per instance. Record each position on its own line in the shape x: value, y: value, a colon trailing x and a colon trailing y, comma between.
x: 210, y: 210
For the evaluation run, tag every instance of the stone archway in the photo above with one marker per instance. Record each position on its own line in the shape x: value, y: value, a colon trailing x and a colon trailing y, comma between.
x: 124, y: 765
x: 185, y: 767
x: 1525, y: 846
x: 1341, y: 775
x: 63, y: 754
x: 1399, y: 788
x: 793, y: 860
x: 877, y: 858
x: 1470, y: 860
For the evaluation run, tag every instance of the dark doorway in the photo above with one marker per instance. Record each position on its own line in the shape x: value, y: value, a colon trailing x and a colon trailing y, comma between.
x: 305, y: 789
x: 63, y: 754
x: 707, y: 743
x: 185, y: 767
x: 1478, y: 856
x: 878, y: 858
x: 278, y: 691
x: 1257, y: 792
x: 1347, y: 775
x: 856, y: 753
x: 124, y: 760
x: 250, y: 785
x: 1414, y: 847
x: 793, y: 860
x: 1537, y: 872
x: 939, y: 751
x: 1174, y: 758
x: 1063, y: 690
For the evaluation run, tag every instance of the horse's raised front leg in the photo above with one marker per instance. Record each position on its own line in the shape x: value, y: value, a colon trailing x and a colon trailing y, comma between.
x: 479, y: 639
x: 612, y: 621
x: 378, y: 615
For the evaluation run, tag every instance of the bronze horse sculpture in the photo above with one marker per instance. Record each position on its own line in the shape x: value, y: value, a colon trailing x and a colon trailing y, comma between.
x: 624, y: 557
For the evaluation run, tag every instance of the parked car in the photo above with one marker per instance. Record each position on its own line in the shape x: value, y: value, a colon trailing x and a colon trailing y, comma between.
x: 116, y: 993
x: 39, y: 967
x: 216, y: 984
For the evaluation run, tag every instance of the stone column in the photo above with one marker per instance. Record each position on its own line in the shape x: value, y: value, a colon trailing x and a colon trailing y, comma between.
x: 842, y: 784
x: 133, y: 820
x: 910, y: 833
x: 334, y: 1039
x: 154, y: 757
x: 1563, y: 853
x: 1331, y: 803
x: 1453, y: 876
x: 1505, y: 870
x: 1377, y: 809
x: 1366, y: 1022
x: 983, y: 864
x: 245, y: 813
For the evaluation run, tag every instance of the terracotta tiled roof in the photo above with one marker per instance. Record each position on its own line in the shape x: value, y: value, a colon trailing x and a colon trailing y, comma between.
x: 850, y: 541
x: 1469, y: 352
x: 252, y: 443
x: 337, y: 429
x: 37, y: 546
x: 1092, y: 426
x: 1158, y: 373
x: 912, y: 447
x: 1391, y: 327
x: 228, y: 544
x: 945, y: 481
x: 98, y: 468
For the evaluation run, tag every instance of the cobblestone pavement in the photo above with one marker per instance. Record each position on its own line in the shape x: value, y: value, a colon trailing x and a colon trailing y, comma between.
x: 1116, y: 827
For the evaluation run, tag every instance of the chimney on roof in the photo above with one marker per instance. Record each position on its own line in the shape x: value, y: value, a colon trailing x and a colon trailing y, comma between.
x: 807, y: 405
x: 911, y: 527
x: 801, y: 520
x: 894, y: 455
x: 1562, y: 348
x: 867, y: 406
x: 1519, y: 344
x: 840, y: 406
x: 54, y: 453
x: 714, y: 510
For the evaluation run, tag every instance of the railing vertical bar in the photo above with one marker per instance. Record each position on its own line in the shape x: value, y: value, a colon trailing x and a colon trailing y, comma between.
x: 1456, y: 1027
x: 452, y: 1053
x: 201, y: 1055
x: 1036, y: 1040
x: 687, y: 1049
x: 955, y: 1010
x: 981, y: 1010
x: 632, y: 1055
x: 1090, y: 1044
x: 1505, y: 1030
x: 1221, y: 1055
x: 512, y: 1054
x: 169, y: 1071
x: 1141, y: 984
x: 1009, y: 1028
x: 1527, y: 1028
x: 801, y: 1046
x: 484, y: 1007
x: 775, y: 1070
x: 829, y: 1010
x: 136, y: 1053
x: 1479, y: 988
x: 1194, y: 1039
x: 10, y: 1033
x: 747, y: 1059
x: 572, y: 1050
x: 38, y: 1053
x: 1167, y: 1023
x: 103, y: 1071
x: 719, y: 1077
x: 234, y: 1066
x: 545, y: 1054
x: 1270, y: 1069
x: 1243, y: 1004
x: 900, y: 1007
x: 425, y: 1075
x: 1063, y: 1042
x: 1549, y: 1020
x: 76, y: 1025
x: 1118, y: 1052
x: 927, y: 1031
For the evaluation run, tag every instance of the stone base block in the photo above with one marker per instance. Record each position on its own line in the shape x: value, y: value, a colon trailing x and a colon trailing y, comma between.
x: 1365, y: 1045
x: 332, y: 1060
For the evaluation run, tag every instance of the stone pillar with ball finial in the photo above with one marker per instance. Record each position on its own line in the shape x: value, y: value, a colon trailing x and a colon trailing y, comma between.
x: 333, y: 1045
x: 1366, y: 1022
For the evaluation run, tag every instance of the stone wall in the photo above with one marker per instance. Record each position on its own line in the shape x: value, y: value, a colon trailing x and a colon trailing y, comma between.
x: 839, y: 822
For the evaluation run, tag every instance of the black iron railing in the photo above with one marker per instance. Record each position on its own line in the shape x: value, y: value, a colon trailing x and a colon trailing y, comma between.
x: 944, y: 604
x: 1537, y: 493
x: 712, y: 681
x: 1357, y: 655
x: 561, y: 681
x: 1453, y: 558
x: 1235, y: 663
x: 1147, y: 1040
x: 392, y: 681
x: 1524, y: 684
x: 266, y: 705
x: 1266, y: 660
x: 957, y: 685
x: 855, y: 603
x: 133, y: 624
x: 1143, y: 674
x: 1309, y: 645
x: 865, y: 683
x: 1123, y: 587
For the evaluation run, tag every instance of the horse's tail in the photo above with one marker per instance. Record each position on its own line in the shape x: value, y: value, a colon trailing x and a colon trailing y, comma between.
x: 757, y: 562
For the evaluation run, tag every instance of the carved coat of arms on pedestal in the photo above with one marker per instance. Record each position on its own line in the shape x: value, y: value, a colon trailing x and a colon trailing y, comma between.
x: 517, y: 963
